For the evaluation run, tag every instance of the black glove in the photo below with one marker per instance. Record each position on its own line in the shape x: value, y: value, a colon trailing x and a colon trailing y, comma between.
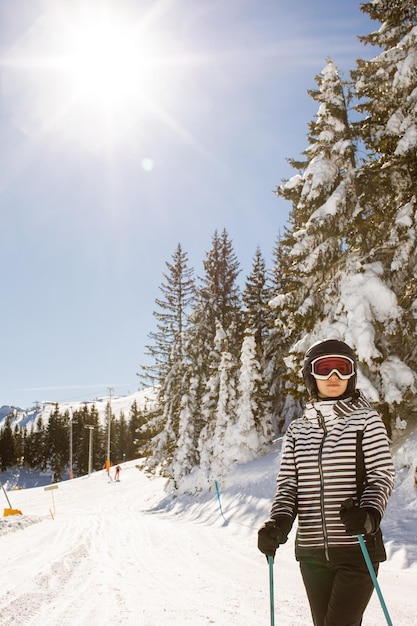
x: 269, y: 537
x: 358, y: 521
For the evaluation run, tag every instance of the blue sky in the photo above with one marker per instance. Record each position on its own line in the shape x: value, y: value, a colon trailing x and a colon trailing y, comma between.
x: 106, y: 164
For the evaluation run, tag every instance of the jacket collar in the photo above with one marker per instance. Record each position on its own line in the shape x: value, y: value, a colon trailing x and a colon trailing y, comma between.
x: 331, y: 410
x: 347, y: 406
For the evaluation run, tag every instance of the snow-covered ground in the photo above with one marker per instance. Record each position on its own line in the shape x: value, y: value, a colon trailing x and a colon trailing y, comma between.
x: 96, y: 552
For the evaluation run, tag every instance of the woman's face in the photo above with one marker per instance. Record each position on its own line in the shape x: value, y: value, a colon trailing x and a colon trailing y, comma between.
x: 333, y: 387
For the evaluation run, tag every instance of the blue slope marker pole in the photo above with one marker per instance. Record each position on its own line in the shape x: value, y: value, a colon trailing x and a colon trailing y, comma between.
x: 374, y: 578
x: 271, y: 588
x: 218, y: 497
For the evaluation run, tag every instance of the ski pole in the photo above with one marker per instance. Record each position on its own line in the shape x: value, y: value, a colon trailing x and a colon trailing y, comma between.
x: 271, y: 588
x: 374, y: 578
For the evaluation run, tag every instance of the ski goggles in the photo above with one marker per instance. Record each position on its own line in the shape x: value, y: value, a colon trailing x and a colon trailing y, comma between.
x: 324, y: 366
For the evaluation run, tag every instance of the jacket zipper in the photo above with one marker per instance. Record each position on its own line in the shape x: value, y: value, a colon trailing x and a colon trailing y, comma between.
x: 323, y: 519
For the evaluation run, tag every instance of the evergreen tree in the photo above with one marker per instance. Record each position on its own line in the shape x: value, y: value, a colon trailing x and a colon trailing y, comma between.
x: 120, y: 439
x: 214, y: 347
x: 169, y: 354
x: 258, y: 322
x: 385, y: 87
x: 7, y: 447
x: 386, y: 218
x: 18, y: 442
x: 36, y: 455
x: 377, y: 258
x: 253, y: 428
x: 278, y: 341
x: 168, y: 340
x: 186, y: 455
x: 56, y: 442
x: 24, y: 460
x: 312, y: 251
x: 218, y: 410
x: 219, y: 295
x: 255, y: 298
x: 99, y: 439
x: 132, y: 424
x: 81, y: 440
x: 147, y: 435
x: 218, y: 307
x: 140, y: 437
x: 323, y: 200
x: 80, y: 460
x: 165, y: 442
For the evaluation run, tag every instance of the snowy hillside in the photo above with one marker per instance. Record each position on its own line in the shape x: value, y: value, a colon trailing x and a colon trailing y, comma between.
x: 27, y: 416
x: 97, y: 552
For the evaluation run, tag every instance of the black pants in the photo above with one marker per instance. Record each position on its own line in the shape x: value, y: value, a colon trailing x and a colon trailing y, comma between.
x: 338, y: 593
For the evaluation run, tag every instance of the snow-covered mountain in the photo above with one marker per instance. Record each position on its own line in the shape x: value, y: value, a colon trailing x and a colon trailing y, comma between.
x: 93, y: 551
x: 27, y: 416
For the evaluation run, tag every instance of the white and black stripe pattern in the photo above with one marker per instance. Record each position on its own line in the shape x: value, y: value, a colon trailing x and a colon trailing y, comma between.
x: 318, y: 471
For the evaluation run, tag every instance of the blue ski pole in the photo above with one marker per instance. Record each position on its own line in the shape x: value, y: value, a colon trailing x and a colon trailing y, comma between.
x: 374, y: 578
x: 271, y: 588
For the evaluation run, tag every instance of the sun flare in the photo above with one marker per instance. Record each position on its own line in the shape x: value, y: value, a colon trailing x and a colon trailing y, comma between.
x: 109, y: 64
x: 91, y: 72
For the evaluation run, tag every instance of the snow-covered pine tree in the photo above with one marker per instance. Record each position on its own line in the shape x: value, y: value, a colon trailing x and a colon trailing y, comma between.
x: 219, y: 294
x: 186, y: 454
x: 140, y: 445
x: 258, y: 322
x: 168, y: 351
x: 216, y: 334
x: 373, y: 305
x: 386, y: 89
x: 178, y: 292
x: 313, y: 248
x: 386, y: 220
x: 277, y: 344
x: 257, y: 314
x: 253, y: 428
x: 219, y: 411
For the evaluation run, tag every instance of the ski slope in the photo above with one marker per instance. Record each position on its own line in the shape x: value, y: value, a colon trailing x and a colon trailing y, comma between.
x: 98, y: 552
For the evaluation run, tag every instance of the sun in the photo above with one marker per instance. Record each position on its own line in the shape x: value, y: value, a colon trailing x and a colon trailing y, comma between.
x: 109, y: 62
x: 91, y: 72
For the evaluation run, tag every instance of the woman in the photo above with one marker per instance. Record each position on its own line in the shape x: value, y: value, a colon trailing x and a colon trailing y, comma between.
x: 336, y: 474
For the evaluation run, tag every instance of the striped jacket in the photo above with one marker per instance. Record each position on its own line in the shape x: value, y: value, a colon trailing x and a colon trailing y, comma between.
x: 318, y: 472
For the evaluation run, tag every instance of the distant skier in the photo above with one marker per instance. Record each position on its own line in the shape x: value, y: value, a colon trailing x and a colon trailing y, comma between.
x: 117, y: 473
x: 336, y: 474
